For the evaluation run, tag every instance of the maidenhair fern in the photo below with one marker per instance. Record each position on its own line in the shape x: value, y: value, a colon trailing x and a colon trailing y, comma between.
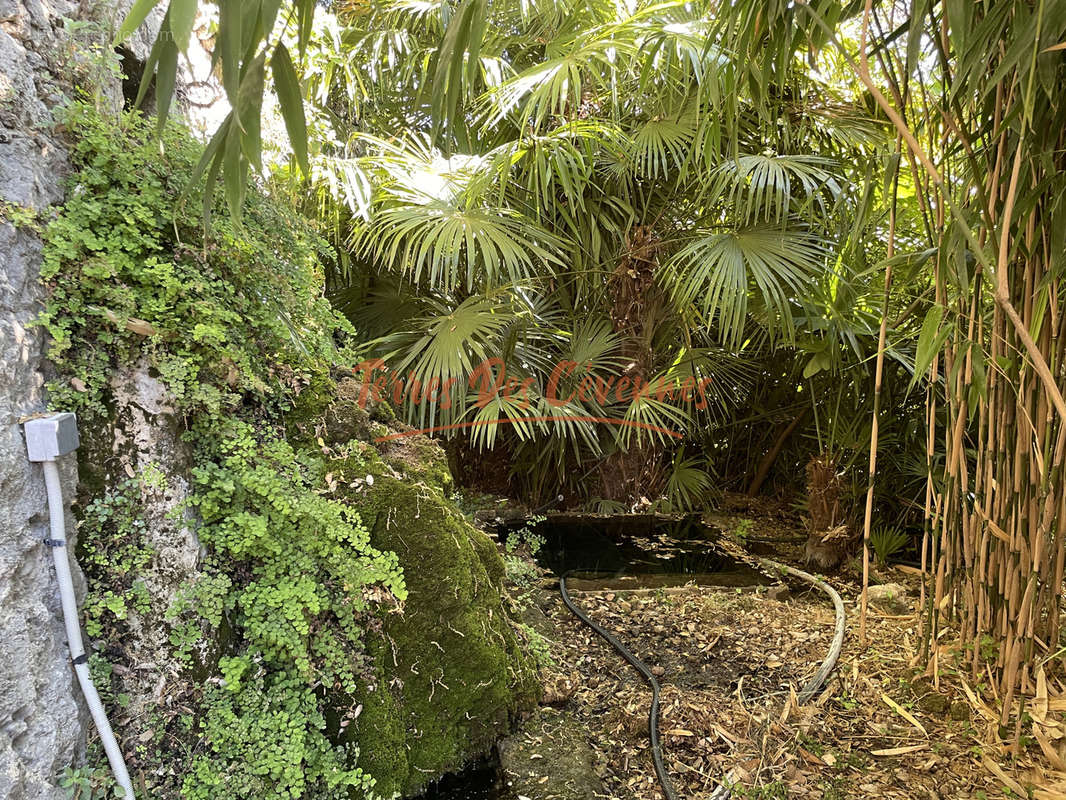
x: 269, y: 635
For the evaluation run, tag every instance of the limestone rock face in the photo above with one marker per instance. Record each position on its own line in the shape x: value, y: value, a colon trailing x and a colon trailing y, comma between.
x: 42, y: 722
x: 892, y: 596
x: 142, y: 437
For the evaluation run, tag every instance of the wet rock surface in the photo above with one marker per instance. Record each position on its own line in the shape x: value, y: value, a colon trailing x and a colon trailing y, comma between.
x: 893, y: 597
x: 550, y: 759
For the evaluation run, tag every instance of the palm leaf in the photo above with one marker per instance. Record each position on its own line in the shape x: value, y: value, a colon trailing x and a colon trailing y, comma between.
x: 687, y: 484
x: 446, y: 348
x: 764, y: 188
x: 432, y: 220
x: 661, y: 146
x: 717, y: 272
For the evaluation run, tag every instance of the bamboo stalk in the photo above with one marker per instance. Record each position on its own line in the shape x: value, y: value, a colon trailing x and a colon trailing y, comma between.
x: 993, y: 549
x: 882, y: 336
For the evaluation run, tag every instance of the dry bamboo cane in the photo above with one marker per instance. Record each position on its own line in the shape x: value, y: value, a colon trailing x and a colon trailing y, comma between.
x: 882, y: 336
x: 995, y: 529
x: 939, y: 497
x: 930, y: 412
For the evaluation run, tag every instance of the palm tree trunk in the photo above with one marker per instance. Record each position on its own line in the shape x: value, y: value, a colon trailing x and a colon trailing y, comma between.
x: 827, y: 537
x: 771, y: 456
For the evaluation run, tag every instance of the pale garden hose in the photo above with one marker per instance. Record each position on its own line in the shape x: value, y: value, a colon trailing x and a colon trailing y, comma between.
x: 58, y: 544
x: 808, y: 691
x: 815, y: 683
x: 725, y: 790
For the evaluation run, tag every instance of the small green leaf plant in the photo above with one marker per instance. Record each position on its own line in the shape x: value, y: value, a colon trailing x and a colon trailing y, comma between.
x: 233, y: 322
x: 886, y: 541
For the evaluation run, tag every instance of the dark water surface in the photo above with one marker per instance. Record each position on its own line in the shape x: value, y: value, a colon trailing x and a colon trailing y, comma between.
x: 481, y: 780
x: 642, y: 547
x: 637, y: 550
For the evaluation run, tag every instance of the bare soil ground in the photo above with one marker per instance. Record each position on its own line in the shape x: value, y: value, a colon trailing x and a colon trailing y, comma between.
x: 730, y: 662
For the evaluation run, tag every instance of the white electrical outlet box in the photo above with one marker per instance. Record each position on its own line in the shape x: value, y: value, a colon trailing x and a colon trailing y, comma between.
x: 51, y: 436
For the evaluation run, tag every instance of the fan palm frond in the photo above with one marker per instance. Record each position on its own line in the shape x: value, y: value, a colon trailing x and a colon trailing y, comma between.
x: 344, y: 180
x: 446, y: 349
x: 558, y: 165
x: 661, y: 146
x: 432, y: 220
x: 708, y: 380
x: 385, y: 306
x: 594, y: 346
x: 763, y: 188
x: 487, y: 417
x: 449, y: 247
x: 687, y: 483
x: 571, y: 423
x: 647, y: 418
x: 718, y: 270
x: 556, y: 87
x: 676, y: 39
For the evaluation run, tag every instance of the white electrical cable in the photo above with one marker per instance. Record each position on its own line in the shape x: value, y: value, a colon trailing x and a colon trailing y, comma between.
x: 58, y: 544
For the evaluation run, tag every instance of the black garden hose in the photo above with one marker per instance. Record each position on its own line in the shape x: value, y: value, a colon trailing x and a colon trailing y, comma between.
x: 541, y: 509
x: 642, y: 668
x: 724, y: 790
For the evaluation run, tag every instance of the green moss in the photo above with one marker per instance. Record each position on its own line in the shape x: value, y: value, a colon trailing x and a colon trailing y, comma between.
x: 421, y: 458
x: 342, y: 412
x: 462, y: 676
x: 384, y: 754
x: 308, y: 405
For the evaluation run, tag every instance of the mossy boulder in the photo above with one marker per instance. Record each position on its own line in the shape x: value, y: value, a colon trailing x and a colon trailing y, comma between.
x: 345, y: 410
x: 450, y: 675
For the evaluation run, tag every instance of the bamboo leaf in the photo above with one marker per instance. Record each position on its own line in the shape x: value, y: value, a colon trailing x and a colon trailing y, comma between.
x: 290, y: 100
x: 249, y: 109
x: 209, y: 157
x: 211, y: 181
x: 233, y: 169
x: 166, y: 76
x: 904, y: 713
x: 268, y: 14
x: 182, y: 18
x: 461, y: 42
x: 898, y: 751
x: 228, y: 50
x: 137, y: 15
x: 931, y: 338
x: 305, y: 10
x: 148, y: 75
x: 915, y: 32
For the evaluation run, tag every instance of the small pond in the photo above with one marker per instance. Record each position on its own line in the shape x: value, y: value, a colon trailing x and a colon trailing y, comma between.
x: 482, y: 780
x: 636, y: 550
